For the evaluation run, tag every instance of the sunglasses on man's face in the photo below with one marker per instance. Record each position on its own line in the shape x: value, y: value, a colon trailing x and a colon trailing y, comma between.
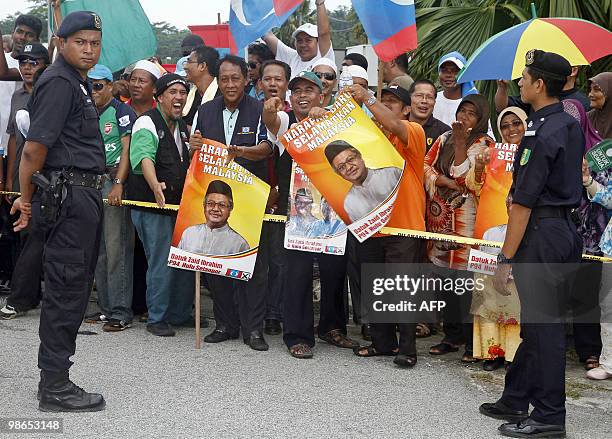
x: 253, y: 65
x: 97, y: 86
x: 32, y: 62
x: 325, y: 75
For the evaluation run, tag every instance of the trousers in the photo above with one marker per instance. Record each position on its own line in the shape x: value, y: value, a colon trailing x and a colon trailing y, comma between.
x: 25, y: 282
x: 542, y: 269
x: 114, y: 271
x: 69, y: 260
x: 298, y: 312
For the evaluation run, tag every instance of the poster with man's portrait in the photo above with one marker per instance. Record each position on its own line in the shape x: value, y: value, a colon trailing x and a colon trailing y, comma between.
x: 352, y: 164
x: 220, y: 217
x: 312, y: 225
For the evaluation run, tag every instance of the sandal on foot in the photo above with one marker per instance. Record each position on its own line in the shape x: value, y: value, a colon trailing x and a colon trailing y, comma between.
x: 301, y: 351
x: 468, y: 358
x: 405, y: 360
x: 442, y: 349
x: 371, y: 351
x: 591, y: 363
x: 336, y: 338
x: 422, y: 330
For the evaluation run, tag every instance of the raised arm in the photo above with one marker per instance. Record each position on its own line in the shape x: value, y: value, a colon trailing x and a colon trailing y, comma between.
x: 272, y: 41
x: 323, y: 29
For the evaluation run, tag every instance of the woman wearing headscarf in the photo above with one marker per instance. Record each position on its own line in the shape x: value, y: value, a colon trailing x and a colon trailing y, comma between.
x: 600, y: 88
x: 602, y: 194
x: 496, y: 317
x: 453, y: 190
x: 592, y: 218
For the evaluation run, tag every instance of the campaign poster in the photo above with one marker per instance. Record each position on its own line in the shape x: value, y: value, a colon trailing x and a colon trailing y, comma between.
x: 220, y: 216
x: 312, y: 225
x: 351, y: 163
x: 498, y: 179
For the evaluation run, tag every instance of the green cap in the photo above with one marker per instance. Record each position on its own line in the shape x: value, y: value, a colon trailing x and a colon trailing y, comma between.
x: 307, y: 76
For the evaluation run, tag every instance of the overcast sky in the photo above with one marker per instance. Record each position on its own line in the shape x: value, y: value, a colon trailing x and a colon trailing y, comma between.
x: 178, y: 12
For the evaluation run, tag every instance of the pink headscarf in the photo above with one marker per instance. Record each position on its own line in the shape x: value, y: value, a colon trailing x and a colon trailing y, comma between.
x: 575, y: 109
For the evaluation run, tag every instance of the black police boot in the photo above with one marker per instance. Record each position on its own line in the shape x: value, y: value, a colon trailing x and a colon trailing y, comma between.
x: 59, y: 394
x: 498, y: 410
x: 530, y: 428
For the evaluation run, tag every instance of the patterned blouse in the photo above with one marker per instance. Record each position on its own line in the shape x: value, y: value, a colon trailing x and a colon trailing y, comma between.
x: 603, y: 196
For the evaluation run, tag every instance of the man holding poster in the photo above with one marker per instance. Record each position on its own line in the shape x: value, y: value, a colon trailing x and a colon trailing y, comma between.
x: 215, y: 237
x: 235, y: 119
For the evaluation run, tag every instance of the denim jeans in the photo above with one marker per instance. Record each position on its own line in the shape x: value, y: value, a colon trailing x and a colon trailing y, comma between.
x: 114, y: 277
x: 170, y: 291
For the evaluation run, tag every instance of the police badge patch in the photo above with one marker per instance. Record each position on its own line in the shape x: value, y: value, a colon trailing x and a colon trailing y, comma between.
x: 525, y: 156
x: 97, y: 21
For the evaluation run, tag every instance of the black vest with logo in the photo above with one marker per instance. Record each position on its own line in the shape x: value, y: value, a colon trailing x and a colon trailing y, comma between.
x: 169, y: 167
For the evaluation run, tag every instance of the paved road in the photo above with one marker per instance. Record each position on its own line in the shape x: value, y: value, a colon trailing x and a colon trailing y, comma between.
x: 164, y: 388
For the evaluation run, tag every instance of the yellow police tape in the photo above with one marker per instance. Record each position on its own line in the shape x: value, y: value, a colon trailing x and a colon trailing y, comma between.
x: 384, y: 230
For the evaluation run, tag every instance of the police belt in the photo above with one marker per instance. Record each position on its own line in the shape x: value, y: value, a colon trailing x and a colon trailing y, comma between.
x: 551, y: 212
x: 84, y: 179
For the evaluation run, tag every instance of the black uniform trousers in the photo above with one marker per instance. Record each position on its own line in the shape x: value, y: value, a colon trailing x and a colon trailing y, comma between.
x: 353, y: 272
x: 298, y: 312
x: 69, y: 262
x: 272, y: 236
x: 25, y: 282
x: 392, y: 249
x: 586, y: 311
x: 544, y: 271
x: 456, y: 318
x: 238, y: 304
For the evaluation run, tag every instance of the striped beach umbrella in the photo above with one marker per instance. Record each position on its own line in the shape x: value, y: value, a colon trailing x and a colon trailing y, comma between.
x: 503, y: 55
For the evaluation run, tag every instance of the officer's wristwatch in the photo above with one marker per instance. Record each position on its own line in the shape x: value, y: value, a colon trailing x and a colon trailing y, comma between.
x: 502, y: 259
x: 117, y: 181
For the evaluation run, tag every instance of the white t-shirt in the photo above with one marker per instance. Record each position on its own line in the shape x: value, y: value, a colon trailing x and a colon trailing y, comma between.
x: 445, y: 110
x: 7, y: 88
x: 290, y: 56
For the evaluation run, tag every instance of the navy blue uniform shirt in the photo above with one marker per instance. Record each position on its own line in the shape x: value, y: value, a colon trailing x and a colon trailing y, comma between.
x: 548, y: 163
x: 64, y: 118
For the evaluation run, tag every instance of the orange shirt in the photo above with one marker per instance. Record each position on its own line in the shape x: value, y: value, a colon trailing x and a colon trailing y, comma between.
x: 409, y: 209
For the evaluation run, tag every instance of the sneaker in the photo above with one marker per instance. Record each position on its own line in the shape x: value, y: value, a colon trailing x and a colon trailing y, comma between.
x: 96, y: 317
x: 114, y: 325
x: 8, y: 312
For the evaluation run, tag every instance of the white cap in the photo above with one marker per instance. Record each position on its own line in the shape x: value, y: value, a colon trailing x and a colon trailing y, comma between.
x: 307, y: 28
x: 148, y: 66
x: 325, y: 62
x: 357, y: 71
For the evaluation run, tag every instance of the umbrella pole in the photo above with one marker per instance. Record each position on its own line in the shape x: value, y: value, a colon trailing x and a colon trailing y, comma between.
x: 197, y: 310
x: 534, y: 13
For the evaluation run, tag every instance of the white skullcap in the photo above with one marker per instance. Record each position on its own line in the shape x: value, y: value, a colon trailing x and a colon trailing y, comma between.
x: 357, y: 71
x: 148, y: 66
x: 326, y: 62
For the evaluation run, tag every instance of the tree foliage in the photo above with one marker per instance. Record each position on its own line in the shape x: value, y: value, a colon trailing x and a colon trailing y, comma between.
x: 169, y: 41
x: 463, y: 25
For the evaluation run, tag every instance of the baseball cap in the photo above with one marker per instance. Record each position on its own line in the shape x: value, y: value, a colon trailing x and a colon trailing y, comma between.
x: 307, y: 76
x: 307, y: 28
x: 401, y: 93
x: 33, y: 50
x: 100, y: 71
x: 453, y: 57
x: 180, y: 66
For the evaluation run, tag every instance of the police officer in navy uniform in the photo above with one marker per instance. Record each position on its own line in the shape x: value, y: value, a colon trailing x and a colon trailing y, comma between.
x: 61, y: 177
x: 543, y: 249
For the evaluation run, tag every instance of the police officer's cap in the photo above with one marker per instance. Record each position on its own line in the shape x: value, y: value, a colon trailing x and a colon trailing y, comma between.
x: 220, y: 187
x: 548, y: 63
x: 335, y: 148
x: 33, y: 50
x: 77, y: 21
x: 167, y: 81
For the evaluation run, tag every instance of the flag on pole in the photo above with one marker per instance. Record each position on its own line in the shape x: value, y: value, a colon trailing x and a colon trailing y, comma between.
x: 250, y: 19
x: 389, y: 24
x: 127, y: 35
